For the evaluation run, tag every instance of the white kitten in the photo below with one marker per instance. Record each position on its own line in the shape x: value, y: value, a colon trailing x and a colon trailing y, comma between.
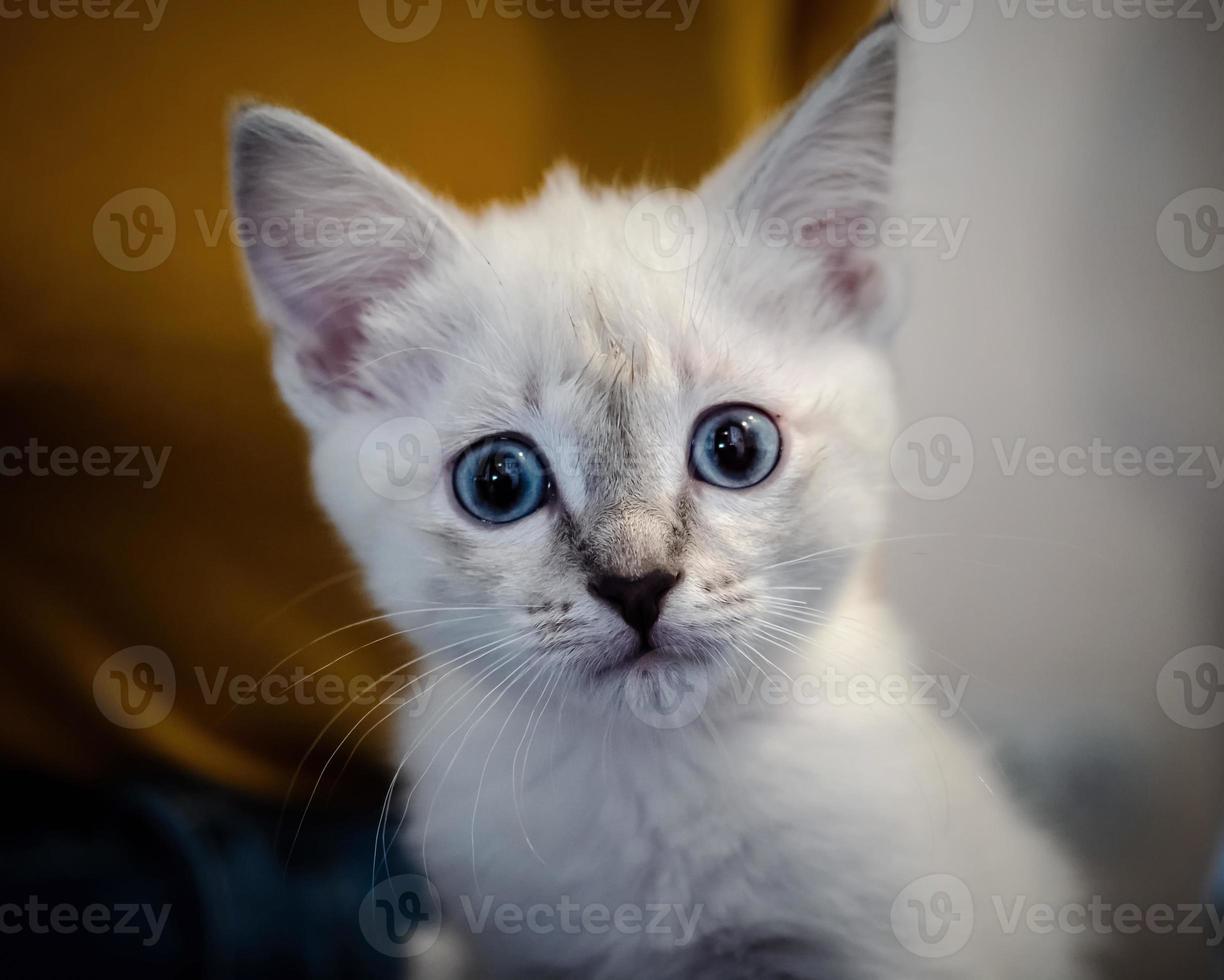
x: 662, y: 422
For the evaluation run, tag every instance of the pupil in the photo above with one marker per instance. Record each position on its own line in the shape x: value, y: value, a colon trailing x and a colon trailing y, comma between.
x: 499, y: 480
x: 734, y: 447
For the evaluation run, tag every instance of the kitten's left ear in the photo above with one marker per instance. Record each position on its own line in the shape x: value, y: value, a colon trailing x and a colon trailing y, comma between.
x: 333, y: 234
x: 813, y: 190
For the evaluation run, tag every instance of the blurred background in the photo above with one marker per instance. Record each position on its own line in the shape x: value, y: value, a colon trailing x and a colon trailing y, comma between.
x: 162, y: 555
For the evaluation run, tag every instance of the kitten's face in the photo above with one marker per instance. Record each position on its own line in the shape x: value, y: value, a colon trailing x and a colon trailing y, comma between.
x: 635, y: 467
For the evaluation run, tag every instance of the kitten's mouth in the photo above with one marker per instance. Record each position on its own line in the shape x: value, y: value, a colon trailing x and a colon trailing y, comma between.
x: 641, y: 654
x: 645, y: 654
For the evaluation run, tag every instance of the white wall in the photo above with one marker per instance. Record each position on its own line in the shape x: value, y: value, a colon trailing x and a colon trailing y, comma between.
x: 1059, y: 320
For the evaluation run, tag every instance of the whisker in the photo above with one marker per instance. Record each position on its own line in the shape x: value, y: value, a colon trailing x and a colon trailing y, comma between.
x: 382, y: 834
x: 335, y: 379
x: 770, y: 662
x: 375, y: 619
x: 533, y: 722
x: 412, y: 629
x: 318, y: 781
x: 450, y: 705
x: 503, y: 686
x: 501, y: 662
x: 305, y: 594
x: 849, y: 547
x: 455, y: 662
x: 540, y: 668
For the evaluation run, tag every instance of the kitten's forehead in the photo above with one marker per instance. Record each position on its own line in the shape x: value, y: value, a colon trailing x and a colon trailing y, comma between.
x: 585, y: 337
x: 604, y: 365
x: 611, y: 409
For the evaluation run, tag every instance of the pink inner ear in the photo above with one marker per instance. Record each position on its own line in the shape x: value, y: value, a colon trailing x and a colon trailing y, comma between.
x: 334, y: 350
x: 330, y: 351
x: 849, y: 267
x: 853, y: 277
x: 326, y: 329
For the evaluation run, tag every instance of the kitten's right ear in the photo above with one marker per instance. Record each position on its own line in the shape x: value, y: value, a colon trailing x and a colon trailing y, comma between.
x: 824, y: 166
x: 327, y: 232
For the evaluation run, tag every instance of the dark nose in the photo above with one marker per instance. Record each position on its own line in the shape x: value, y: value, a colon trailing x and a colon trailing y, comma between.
x: 636, y: 599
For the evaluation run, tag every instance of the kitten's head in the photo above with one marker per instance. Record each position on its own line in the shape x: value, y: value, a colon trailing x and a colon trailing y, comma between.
x: 603, y: 428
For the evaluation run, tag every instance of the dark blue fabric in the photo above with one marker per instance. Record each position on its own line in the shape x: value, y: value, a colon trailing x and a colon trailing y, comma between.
x: 236, y: 909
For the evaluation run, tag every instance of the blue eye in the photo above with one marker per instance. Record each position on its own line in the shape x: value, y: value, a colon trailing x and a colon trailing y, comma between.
x: 501, y: 480
x: 735, y: 446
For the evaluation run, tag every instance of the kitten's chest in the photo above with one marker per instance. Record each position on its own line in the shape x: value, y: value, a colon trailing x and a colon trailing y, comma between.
x: 719, y: 827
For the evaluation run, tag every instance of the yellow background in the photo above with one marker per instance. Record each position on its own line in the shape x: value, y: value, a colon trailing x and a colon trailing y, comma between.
x: 203, y: 565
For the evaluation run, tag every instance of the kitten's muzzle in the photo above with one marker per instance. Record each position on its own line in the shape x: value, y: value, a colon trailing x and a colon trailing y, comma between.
x: 638, y: 600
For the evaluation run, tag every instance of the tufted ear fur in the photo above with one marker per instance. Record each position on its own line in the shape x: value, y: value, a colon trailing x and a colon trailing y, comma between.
x: 329, y: 233
x: 816, y: 183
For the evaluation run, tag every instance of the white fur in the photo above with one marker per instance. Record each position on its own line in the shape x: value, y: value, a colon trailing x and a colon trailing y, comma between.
x: 792, y: 827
